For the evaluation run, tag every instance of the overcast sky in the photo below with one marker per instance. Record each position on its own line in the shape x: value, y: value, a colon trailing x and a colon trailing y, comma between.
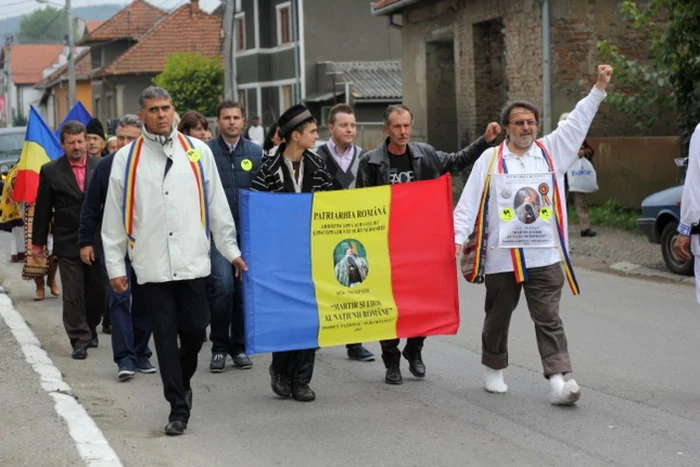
x: 10, y: 8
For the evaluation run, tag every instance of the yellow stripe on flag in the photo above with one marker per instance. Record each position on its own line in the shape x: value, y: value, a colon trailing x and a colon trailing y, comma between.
x: 33, y: 157
x: 350, y: 266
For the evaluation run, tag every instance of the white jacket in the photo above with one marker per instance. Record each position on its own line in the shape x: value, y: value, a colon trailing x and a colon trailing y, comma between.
x: 170, y: 241
x: 690, y: 205
x: 563, y: 145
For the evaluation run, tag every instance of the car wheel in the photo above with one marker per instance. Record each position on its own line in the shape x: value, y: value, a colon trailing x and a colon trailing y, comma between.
x: 676, y: 265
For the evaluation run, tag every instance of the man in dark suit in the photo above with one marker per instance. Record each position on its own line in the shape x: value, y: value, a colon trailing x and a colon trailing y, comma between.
x: 62, y: 185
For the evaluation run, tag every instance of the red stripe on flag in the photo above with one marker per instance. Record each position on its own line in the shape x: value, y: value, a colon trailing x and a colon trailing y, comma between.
x: 422, y: 254
x: 26, y: 186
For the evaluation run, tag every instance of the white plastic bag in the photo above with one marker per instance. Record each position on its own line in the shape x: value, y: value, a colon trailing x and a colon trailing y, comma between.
x: 582, y: 176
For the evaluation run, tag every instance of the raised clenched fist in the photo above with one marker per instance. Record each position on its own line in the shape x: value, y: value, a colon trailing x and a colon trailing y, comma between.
x: 604, y: 75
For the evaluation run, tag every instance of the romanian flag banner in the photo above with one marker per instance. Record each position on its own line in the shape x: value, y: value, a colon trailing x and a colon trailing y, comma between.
x: 340, y: 267
x: 78, y: 113
x: 40, y: 147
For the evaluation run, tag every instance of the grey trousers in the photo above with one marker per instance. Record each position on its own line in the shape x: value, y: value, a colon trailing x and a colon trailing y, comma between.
x: 543, y: 293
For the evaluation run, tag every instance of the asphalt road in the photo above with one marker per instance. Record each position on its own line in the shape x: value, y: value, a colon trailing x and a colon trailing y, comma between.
x: 634, y: 346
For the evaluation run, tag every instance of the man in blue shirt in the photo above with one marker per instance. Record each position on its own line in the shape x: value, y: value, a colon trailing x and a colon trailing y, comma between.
x: 131, y: 328
x: 237, y: 160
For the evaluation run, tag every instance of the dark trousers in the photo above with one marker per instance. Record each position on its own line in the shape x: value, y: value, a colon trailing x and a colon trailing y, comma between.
x: 177, y: 309
x: 131, y: 328
x: 543, y: 293
x: 226, y: 306
x: 298, y: 365
x: 391, y: 353
x: 83, y: 299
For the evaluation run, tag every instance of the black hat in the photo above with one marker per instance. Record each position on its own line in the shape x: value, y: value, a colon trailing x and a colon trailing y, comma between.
x: 292, y: 118
x: 94, y: 127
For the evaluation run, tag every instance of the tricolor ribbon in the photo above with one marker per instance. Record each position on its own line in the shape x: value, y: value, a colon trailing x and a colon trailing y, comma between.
x: 517, y: 255
x: 130, y: 172
x: 561, y: 227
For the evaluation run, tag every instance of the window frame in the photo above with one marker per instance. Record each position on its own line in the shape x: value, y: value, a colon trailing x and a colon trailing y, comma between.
x: 240, y: 32
x: 284, y: 6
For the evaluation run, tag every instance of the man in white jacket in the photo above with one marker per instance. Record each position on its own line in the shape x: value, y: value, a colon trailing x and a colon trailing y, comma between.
x: 688, y: 239
x: 536, y: 270
x: 164, y: 199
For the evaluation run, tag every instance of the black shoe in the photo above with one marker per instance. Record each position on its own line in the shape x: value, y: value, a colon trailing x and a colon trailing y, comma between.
x: 588, y: 233
x: 188, y: 398
x: 94, y: 342
x: 358, y: 352
x: 242, y: 361
x: 393, y: 374
x: 176, y: 427
x: 415, y: 364
x: 106, y: 329
x: 303, y: 393
x: 218, y: 363
x: 79, y: 353
x: 280, y: 384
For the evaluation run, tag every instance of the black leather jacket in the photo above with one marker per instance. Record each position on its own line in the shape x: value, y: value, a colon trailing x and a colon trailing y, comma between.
x: 428, y: 163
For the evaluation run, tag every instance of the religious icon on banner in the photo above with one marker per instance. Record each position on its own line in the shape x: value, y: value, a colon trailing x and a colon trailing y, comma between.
x: 524, y: 207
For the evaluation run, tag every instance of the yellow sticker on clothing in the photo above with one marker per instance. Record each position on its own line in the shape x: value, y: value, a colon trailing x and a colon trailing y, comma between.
x: 194, y: 155
x: 246, y: 164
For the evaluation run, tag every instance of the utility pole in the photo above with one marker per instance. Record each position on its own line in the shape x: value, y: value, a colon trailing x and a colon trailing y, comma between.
x: 230, y: 87
x: 71, y: 56
x: 7, y: 78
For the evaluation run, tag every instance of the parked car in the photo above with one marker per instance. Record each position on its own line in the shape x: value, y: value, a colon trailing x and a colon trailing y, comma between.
x: 11, y: 142
x: 661, y: 213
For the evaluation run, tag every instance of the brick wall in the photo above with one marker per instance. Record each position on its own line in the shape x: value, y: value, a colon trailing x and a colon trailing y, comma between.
x: 498, y: 57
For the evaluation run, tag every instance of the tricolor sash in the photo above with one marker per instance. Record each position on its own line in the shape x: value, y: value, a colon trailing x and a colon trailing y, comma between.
x: 473, y: 257
x: 132, y: 162
x: 474, y: 251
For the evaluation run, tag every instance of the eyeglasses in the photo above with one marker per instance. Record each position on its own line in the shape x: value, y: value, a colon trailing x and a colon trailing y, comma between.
x: 530, y: 122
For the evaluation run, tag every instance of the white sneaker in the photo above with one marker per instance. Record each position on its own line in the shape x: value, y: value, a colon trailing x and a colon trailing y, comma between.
x: 493, y: 381
x: 568, y: 394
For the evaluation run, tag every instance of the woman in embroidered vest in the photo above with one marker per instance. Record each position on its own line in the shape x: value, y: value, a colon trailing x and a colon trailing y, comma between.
x: 293, y: 168
x: 537, y: 271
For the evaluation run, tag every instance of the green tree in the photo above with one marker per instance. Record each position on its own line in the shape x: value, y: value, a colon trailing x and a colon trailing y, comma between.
x: 45, y: 25
x: 670, y: 82
x: 194, y: 81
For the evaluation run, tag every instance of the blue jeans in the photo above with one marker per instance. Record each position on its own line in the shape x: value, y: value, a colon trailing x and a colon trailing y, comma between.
x: 131, y: 327
x: 226, y: 306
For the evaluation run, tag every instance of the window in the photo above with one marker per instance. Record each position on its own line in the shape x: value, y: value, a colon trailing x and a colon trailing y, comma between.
x: 242, y: 99
x: 96, y: 112
x: 284, y: 24
x: 240, y: 32
x: 286, y: 97
x: 110, y: 106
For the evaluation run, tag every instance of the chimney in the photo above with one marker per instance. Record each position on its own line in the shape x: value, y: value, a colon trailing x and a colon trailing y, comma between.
x: 194, y: 8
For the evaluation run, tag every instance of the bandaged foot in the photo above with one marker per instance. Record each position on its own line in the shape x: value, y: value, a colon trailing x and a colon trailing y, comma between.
x: 493, y: 381
x: 563, y: 392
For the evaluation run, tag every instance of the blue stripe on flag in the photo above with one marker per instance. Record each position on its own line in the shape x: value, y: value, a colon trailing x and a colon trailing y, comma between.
x: 279, y: 297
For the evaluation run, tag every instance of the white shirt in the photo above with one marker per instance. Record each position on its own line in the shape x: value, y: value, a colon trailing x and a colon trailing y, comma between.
x: 257, y: 134
x: 563, y: 145
x: 170, y: 241
x: 690, y: 204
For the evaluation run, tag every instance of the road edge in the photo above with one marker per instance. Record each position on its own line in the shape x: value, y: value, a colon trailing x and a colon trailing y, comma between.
x: 93, y: 448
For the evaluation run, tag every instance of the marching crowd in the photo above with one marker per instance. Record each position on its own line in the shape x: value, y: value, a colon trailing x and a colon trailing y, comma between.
x: 144, y: 231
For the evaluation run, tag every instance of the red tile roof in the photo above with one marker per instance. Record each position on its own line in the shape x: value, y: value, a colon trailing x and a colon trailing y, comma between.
x: 90, y: 26
x: 28, y: 61
x: 83, y: 68
x: 188, y: 29
x: 129, y: 23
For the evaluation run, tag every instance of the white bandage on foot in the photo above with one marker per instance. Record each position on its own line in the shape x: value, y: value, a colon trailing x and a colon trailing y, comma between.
x: 563, y: 392
x: 493, y: 381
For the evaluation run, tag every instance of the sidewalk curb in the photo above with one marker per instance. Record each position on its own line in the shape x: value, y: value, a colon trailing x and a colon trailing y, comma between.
x: 632, y: 269
x: 93, y: 447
